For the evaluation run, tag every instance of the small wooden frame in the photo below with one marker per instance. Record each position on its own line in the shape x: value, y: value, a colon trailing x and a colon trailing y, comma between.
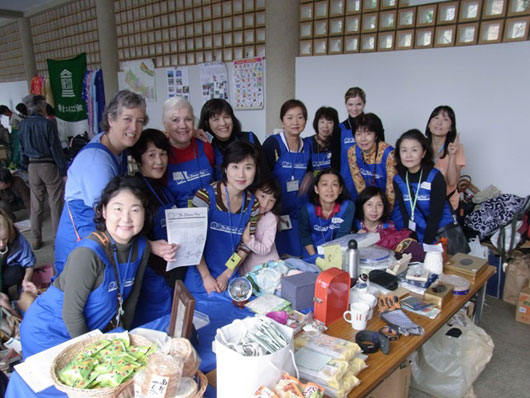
x: 470, y: 10
x: 424, y: 38
x: 445, y: 36
x: 386, y: 4
x: 352, y: 24
x: 369, y: 23
x: 467, y: 34
x: 516, y: 29
x: 370, y: 5
x: 491, y: 31
x: 385, y: 41
x: 405, y: 39
x: 447, y: 12
x: 426, y: 15
x: 406, y: 17
x: 335, y: 45
x: 494, y: 9
x: 368, y: 43
x: 182, y: 310
x: 351, y: 44
x: 387, y: 20
x: 353, y: 7
x: 518, y: 7
x: 336, y: 8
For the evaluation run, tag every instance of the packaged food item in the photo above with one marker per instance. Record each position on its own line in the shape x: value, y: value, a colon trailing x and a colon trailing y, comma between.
x: 77, y: 371
x: 92, y: 349
x: 313, y: 365
x: 181, y: 348
x: 291, y: 387
x: 264, y: 392
x: 162, y: 376
x: 187, y: 388
x: 327, y: 345
x: 356, y: 365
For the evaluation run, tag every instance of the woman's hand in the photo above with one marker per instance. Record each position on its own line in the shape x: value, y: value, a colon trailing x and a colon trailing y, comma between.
x: 163, y: 249
x: 452, y: 148
x: 246, y: 234
x: 222, y: 280
x: 200, y: 134
x: 210, y: 284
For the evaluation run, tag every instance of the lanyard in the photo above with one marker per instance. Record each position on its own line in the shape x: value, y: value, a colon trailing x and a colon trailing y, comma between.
x: 121, y: 286
x: 291, y: 157
x: 413, y: 204
x: 155, y: 194
x: 230, y: 216
x: 439, y: 151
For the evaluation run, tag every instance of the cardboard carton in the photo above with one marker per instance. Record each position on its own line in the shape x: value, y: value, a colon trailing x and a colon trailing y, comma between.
x: 522, y: 310
x: 396, y: 385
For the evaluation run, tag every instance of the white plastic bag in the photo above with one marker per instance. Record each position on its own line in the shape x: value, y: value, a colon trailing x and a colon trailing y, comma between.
x: 447, y: 366
x: 241, y: 376
x: 477, y: 249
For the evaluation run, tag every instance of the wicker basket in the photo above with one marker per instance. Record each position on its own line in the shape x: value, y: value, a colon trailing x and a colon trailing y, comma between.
x: 124, y: 390
x: 202, y: 381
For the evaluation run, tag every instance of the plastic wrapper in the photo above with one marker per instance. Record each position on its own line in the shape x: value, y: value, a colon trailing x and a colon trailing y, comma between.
x: 187, y: 388
x: 92, y: 349
x: 181, y: 348
x: 324, y: 368
x: 162, y: 376
x: 291, y: 387
x: 264, y: 392
x: 77, y: 371
x: 115, y: 376
x: 327, y: 345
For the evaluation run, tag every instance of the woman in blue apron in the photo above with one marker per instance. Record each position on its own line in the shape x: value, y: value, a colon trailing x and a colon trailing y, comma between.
x: 421, y: 203
x: 103, y: 277
x: 372, y: 211
x: 231, y: 209
x: 326, y: 119
x: 94, y: 166
x: 328, y: 215
x: 151, y: 154
x: 218, y: 119
x: 372, y: 161
x: 191, y: 161
x: 289, y: 159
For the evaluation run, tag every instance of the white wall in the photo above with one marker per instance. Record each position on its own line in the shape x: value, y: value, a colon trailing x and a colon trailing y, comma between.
x: 488, y: 86
x: 11, y: 94
x: 251, y: 120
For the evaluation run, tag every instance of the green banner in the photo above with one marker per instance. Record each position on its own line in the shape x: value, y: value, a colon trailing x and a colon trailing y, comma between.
x: 66, y: 80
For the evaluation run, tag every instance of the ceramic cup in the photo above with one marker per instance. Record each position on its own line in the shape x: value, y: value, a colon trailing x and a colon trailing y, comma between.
x: 369, y: 299
x: 357, y: 316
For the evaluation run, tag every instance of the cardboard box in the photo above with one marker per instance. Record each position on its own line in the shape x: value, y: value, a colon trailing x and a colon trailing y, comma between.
x: 299, y: 290
x: 522, y: 311
x: 396, y: 385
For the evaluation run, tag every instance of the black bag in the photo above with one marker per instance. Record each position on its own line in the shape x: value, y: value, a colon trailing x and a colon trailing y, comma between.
x: 456, y: 239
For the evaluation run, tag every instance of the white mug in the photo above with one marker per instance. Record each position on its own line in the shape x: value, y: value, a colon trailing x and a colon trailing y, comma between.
x: 358, y: 315
x: 369, y: 299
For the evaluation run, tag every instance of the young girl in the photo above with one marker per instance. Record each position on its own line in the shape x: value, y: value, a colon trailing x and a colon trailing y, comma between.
x: 328, y: 215
x: 262, y: 245
x: 372, y: 211
x: 421, y: 204
x: 16, y: 258
x: 449, y: 153
x: 230, y: 208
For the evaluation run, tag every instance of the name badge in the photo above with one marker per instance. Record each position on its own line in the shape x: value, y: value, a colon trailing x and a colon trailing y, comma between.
x: 292, y: 185
x: 337, y: 220
x: 233, y: 261
x: 412, y: 225
x: 426, y: 185
x: 285, y: 223
x: 190, y: 203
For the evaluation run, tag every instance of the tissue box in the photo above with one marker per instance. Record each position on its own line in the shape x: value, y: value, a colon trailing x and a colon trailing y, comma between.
x: 299, y: 289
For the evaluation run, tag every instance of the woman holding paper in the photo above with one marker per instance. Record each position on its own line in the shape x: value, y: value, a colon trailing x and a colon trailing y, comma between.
x: 231, y: 207
x: 102, y: 277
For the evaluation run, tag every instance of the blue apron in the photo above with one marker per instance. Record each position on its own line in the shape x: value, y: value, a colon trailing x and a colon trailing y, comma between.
x: 319, y: 160
x: 373, y: 174
x: 422, y: 210
x: 324, y: 230
x: 347, y: 140
x: 223, y: 237
x: 81, y: 215
x: 43, y: 326
x: 290, y: 166
x: 186, y: 178
x: 156, y: 296
x: 218, y: 169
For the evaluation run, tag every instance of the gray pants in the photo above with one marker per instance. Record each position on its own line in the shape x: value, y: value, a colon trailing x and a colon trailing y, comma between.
x: 45, y: 177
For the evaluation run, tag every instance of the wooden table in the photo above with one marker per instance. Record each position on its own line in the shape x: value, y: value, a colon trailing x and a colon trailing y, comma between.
x: 379, y: 365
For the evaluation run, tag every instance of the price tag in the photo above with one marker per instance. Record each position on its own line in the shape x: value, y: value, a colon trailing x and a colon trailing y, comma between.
x: 332, y: 258
x: 233, y: 261
x: 412, y: 225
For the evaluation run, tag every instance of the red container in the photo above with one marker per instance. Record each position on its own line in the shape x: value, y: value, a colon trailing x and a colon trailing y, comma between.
x: 332, y: 295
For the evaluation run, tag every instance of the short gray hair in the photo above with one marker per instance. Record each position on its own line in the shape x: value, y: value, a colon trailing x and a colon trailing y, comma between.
x: 172, y: 104
x: 124, y: 99
x: 34, y: 103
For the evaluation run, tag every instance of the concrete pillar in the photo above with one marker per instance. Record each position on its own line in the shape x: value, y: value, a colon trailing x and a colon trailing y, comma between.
x: 26, y: 40
x: 108, y: 46
x: 281, y: 49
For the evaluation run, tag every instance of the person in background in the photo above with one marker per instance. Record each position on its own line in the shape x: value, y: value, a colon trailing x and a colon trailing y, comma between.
x: 50, y: 114
x: 372, y: 211
x: 288, y: 160
x: 14, y: 194
x: 328, y: 215
x: 262, y: 246
x: 343, y: 135
x: 151, y: 154
x: 191, y: 160
x: 449, y: 156
x: 104, y: 266
x: 22, y: 110
x: 16, y: 258
x: 421, y: 204
x: 231, y: 208
x: 371, y: 159
x: 326, y: 119
x: 14, y: 123
x: 218, y: 119
x: 44, y: 158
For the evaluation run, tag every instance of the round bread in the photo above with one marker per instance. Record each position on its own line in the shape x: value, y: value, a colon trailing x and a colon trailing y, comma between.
x: 182, y: 348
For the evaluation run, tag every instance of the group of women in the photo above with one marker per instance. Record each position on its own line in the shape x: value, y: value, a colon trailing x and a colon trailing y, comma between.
x: 283, y: 198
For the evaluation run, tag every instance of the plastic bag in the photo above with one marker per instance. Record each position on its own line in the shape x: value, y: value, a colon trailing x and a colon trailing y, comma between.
x: 447, y: 366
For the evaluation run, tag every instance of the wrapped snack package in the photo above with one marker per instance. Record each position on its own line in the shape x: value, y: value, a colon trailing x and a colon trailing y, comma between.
x: 181, y: 348
x: 356, y: 365
x: 321, y: 368
x: 187, y: 388
x: 327, y: 345
x: 92, y: 349
x: 117, y: 375
x: 291, y: 387
x: 77, y: 371
x: 264, y: 392
x: 162, y: 376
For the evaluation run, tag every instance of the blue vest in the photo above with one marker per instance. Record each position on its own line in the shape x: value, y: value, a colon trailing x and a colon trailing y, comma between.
x: 223, y: 237
x: 319, y: 160
x: 422, y: 210
x: 290, y: 166
x: 347, y: 140
x: 373, y: 174
x: 166, y: 201
x: 44, y: 316
x: 218, y: 172
x: 81, y: 215
x: 186, y: 178
x: 325, y: 230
